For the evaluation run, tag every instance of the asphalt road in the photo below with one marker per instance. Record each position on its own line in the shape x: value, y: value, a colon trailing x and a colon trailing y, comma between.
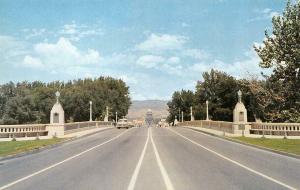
x: 151, y: 158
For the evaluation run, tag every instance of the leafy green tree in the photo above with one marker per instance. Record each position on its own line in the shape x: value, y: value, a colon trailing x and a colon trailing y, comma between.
x: 20, y: 109
x: 220, y: 90
x: 281, y: 52
x: 26, y: 102
x: 181, y: 101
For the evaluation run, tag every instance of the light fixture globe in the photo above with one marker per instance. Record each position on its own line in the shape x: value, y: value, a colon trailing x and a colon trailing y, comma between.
x: 57, y: 94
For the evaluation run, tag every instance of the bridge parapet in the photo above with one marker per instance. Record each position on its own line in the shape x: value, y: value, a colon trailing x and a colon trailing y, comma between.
x: 272, y: 129
x: 224, y: 126
x: 80, y: 126
x: 29, y: 130
x: 36, y: 130
x: 278, y: 129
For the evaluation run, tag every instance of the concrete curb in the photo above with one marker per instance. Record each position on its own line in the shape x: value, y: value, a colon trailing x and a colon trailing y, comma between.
x: 247, y: 144
x: 36, y: 150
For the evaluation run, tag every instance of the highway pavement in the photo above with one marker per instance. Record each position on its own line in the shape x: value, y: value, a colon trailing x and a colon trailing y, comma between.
x: 151, y: 158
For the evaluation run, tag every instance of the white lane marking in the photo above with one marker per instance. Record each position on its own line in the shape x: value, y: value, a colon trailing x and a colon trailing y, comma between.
x: 138, y: 166
x: 168, y: 183
x: 59, y: 163
x: 237, y: 163
x: 238, y: 144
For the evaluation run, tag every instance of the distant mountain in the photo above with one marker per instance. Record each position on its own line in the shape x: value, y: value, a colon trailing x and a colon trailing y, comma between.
x: 138, y: 109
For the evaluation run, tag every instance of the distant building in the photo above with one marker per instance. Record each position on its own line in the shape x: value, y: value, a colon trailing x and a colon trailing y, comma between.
x: 149, y: 120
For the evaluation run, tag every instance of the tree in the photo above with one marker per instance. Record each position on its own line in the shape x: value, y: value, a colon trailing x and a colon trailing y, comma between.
x: 220, y: 90
x: 181, y: 101
x: 281, y: 52
x: 27, y: 102
x: 20, y: 109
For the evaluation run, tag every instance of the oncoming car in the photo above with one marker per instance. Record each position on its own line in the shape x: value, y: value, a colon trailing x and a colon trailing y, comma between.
x: 123, y: 123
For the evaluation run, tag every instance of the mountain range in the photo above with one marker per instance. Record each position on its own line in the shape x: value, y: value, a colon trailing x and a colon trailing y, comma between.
x: 139, y: 108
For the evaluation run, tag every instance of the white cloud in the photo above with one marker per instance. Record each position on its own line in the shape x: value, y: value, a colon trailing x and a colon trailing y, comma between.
x: 173, y: 60
x: 196, y: 54
x: 150, y: 61
x: 128, y: 79
x: 32, y: 62
x: 61, y: 55
x: 269, y: 13
x: 8, y: 43
x: 34, y: 32
x: 241, y: 68
x: 76, y: 32
x: 69, y: 29
x: 12, y: 51
x: 264, y: 14
x: 156, y: 42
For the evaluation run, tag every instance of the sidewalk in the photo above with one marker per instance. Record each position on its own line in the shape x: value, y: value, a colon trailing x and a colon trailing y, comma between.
x: 213, y: 132
x: 85, y: 132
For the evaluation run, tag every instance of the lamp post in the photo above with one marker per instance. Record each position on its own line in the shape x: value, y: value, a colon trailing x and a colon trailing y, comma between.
x: 192, y: 117
x: 116, y: 117
x: 106, y: 115
x: 181, y: 116
x: 207, y: 118
x: 91, y: 103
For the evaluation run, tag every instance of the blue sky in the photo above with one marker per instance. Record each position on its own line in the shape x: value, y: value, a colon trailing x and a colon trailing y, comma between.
x: 156, y: 46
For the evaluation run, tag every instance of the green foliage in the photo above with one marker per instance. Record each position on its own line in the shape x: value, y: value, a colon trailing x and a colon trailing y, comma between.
x: 180, y: 101
x: 275, y: 99
x: 32, y: 102
x: 220, y: 90
x: 281, y: 52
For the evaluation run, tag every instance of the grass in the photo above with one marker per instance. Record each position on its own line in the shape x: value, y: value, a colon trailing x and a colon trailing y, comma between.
x: 284, y: 145
x: 15, y: 147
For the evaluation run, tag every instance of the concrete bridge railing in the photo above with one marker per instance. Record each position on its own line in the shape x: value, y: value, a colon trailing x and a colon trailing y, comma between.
x: 30, y: 130
x: 223, y: 126
x: 36, y: 130
x: 275, y: 129
x: 278, y: 129
x: 81, y: 126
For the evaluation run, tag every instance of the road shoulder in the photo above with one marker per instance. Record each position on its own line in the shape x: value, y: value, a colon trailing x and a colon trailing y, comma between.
x: 244, y: 143
x: 66, y: 139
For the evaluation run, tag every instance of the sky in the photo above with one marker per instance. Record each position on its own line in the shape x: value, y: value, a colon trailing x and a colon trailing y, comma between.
x: 156, y: 47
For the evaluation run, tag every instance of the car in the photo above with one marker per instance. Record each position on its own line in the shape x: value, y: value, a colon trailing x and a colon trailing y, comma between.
x: 123, y: 123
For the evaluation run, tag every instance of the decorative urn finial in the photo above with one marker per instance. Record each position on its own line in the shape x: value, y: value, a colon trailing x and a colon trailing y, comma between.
x: 240, y: 96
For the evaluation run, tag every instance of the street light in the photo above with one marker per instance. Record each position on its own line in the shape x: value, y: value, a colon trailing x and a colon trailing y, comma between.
x: 116, y: 117
x: 207, y: 110
x: 192, y: 117
x: 91, y: 111
x: 181, y: 116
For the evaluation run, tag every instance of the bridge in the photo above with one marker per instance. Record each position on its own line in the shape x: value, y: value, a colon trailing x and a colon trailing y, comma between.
x: 184, y: 157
